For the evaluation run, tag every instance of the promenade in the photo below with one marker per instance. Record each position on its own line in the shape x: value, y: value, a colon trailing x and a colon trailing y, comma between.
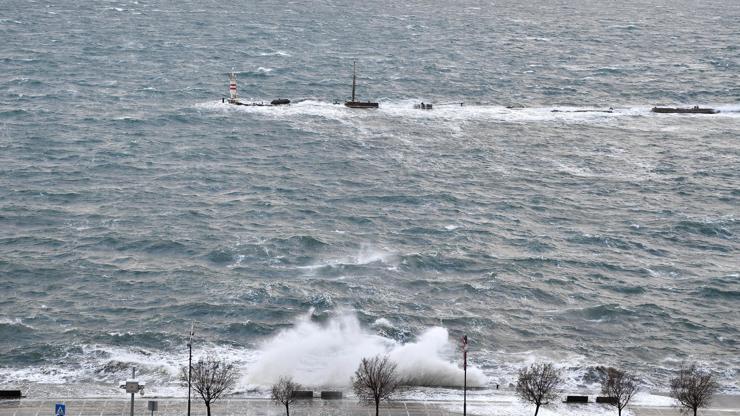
x: 722, y: 406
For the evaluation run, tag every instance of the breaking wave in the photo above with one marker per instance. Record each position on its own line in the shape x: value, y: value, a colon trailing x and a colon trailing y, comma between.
x: 328, y: 354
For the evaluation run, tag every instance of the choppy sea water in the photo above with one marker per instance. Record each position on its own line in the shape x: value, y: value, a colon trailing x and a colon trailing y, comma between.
x: 134, y: 202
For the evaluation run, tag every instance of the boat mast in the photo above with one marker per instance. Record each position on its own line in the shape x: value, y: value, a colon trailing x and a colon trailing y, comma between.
x: 354, y: 78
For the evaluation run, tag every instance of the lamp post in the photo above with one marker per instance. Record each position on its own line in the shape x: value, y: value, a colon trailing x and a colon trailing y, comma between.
x: 190, y: 360
x: 465, y: 373
x: 132, y: 386
x: 133, y: 377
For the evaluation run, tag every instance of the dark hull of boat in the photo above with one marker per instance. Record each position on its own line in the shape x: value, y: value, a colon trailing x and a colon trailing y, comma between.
x: 675, y: 110
x: 423, y: 106
x: 358, y: 104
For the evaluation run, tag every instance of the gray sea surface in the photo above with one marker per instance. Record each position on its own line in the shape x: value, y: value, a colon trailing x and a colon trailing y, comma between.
x: 134, y: 202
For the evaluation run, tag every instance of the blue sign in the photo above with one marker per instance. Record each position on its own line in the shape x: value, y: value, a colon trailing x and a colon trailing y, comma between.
x: 59, y: 410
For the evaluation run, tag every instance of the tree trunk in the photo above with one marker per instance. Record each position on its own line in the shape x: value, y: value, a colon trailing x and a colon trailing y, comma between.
x: 377, y: 407
x: 536, y: 409
x: 695, y: 411
x: 287, y: 409
x: 619, y: 411
x: 208, y: 408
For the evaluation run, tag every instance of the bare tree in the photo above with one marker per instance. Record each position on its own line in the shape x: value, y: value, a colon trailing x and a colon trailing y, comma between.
x: 211, y: 378
x: 619, y: 385
x: 537, y: 383
x: 375, y: 380
x: 693, y: 388
x: 283, y: 392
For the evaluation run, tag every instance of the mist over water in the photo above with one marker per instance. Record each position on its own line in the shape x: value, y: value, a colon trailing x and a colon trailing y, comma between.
x: 302, y: 238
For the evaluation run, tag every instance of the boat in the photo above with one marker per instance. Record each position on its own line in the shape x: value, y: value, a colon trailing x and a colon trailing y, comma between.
x: 678, y: 110
x: 358, y: 104
x: 423, y: 106
x: 234, y: 96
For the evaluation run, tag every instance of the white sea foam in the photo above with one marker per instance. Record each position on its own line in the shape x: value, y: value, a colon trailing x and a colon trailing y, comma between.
x: 728, y: 109
x: 328, y: 354
x: 17, y: 322
x: 426, y: 361
x: 319, y: 355
x: 104, y: 366
x: 367, y: 254
x: 275, y: 53
x: 448, y: 113
x: 382, y: 323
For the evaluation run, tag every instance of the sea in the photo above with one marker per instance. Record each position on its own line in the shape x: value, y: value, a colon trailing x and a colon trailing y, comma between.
x: 540, y: 208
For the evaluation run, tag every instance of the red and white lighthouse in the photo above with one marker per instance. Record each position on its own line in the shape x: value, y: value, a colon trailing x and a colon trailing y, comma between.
x: 232, y: 87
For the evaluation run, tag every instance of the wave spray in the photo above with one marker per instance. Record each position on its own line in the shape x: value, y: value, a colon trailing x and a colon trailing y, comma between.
x: 326, y: 355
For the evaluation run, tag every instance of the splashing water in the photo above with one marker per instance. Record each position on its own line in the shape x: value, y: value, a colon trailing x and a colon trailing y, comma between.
x: 327, y: 355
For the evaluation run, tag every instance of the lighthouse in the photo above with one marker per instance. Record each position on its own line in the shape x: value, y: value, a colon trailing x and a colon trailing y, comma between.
x: 233, y: 97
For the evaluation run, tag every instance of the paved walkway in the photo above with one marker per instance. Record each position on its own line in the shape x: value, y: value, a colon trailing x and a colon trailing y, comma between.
x: 724, y: 406
x: 224, y: 407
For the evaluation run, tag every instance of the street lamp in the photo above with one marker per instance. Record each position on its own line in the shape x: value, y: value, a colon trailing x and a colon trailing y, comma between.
x: 465, y: 373
x: 132, y: 386
x: 190, y: 361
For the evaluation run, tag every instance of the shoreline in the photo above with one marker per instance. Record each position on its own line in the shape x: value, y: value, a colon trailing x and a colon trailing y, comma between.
x: 48, y: 391
x: 505, y: 404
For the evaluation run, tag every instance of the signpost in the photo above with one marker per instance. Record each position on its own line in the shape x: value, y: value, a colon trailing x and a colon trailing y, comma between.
x: 152, y: 406
x: 60, y: 409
